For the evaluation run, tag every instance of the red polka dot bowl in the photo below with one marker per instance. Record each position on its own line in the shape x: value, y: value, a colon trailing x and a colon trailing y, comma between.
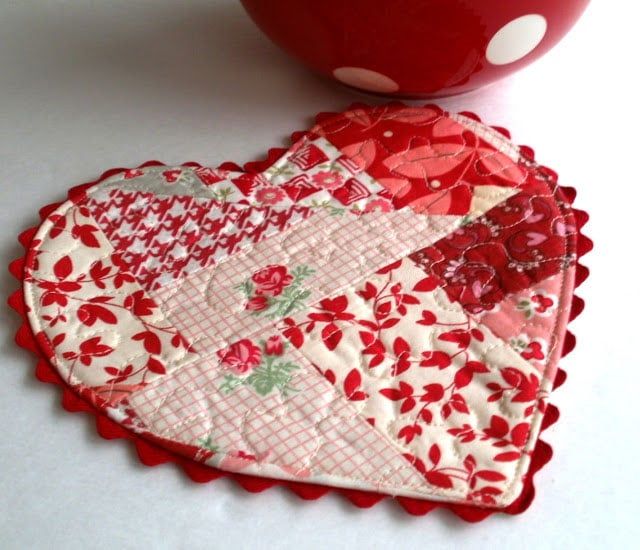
x: 415, y: 48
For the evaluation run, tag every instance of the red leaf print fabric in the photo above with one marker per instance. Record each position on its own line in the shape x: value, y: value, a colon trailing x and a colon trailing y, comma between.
x: 93, y: 347
x: 412, y: 377
x: 90, y: 313
x: 436, y: 171
x: 105, y: 328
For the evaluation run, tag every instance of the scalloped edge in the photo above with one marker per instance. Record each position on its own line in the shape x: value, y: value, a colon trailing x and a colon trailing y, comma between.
x: 152, y: 452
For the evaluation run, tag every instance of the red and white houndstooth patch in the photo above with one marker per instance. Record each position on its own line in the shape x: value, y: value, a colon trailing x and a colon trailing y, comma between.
x: 380, y: 308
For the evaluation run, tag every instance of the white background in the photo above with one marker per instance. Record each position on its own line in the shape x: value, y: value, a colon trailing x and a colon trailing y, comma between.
x: 87, y: 85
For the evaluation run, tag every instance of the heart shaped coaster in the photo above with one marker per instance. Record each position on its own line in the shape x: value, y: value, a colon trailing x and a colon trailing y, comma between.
x: 379, y: 309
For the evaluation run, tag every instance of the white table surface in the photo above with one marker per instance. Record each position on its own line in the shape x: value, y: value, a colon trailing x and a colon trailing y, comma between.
x: 87, y: 85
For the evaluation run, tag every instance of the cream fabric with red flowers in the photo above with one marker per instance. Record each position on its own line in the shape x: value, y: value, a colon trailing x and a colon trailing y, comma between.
x: 382, y: 308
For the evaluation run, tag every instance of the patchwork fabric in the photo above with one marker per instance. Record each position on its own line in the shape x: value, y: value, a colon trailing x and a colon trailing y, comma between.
x: 216, y: 305
x: 515, y: 244
x: 380, y: 308
x: 420, y: 369
x: 527, y: 320
x: 163, y: 238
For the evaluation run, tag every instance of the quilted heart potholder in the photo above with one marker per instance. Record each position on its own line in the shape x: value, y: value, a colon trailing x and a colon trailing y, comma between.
x: 380, y: 309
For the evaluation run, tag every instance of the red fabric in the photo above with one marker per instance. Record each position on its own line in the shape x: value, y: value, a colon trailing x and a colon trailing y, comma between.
x: 153, y: 451
x: 381, y: 142
x: 194, y: 210
x: 533, y: 226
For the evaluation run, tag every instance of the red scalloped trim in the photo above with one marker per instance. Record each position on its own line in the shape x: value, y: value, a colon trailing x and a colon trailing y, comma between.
x: 154, y: 451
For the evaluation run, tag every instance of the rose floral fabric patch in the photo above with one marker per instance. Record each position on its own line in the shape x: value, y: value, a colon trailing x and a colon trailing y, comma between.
x: 380, y: 309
